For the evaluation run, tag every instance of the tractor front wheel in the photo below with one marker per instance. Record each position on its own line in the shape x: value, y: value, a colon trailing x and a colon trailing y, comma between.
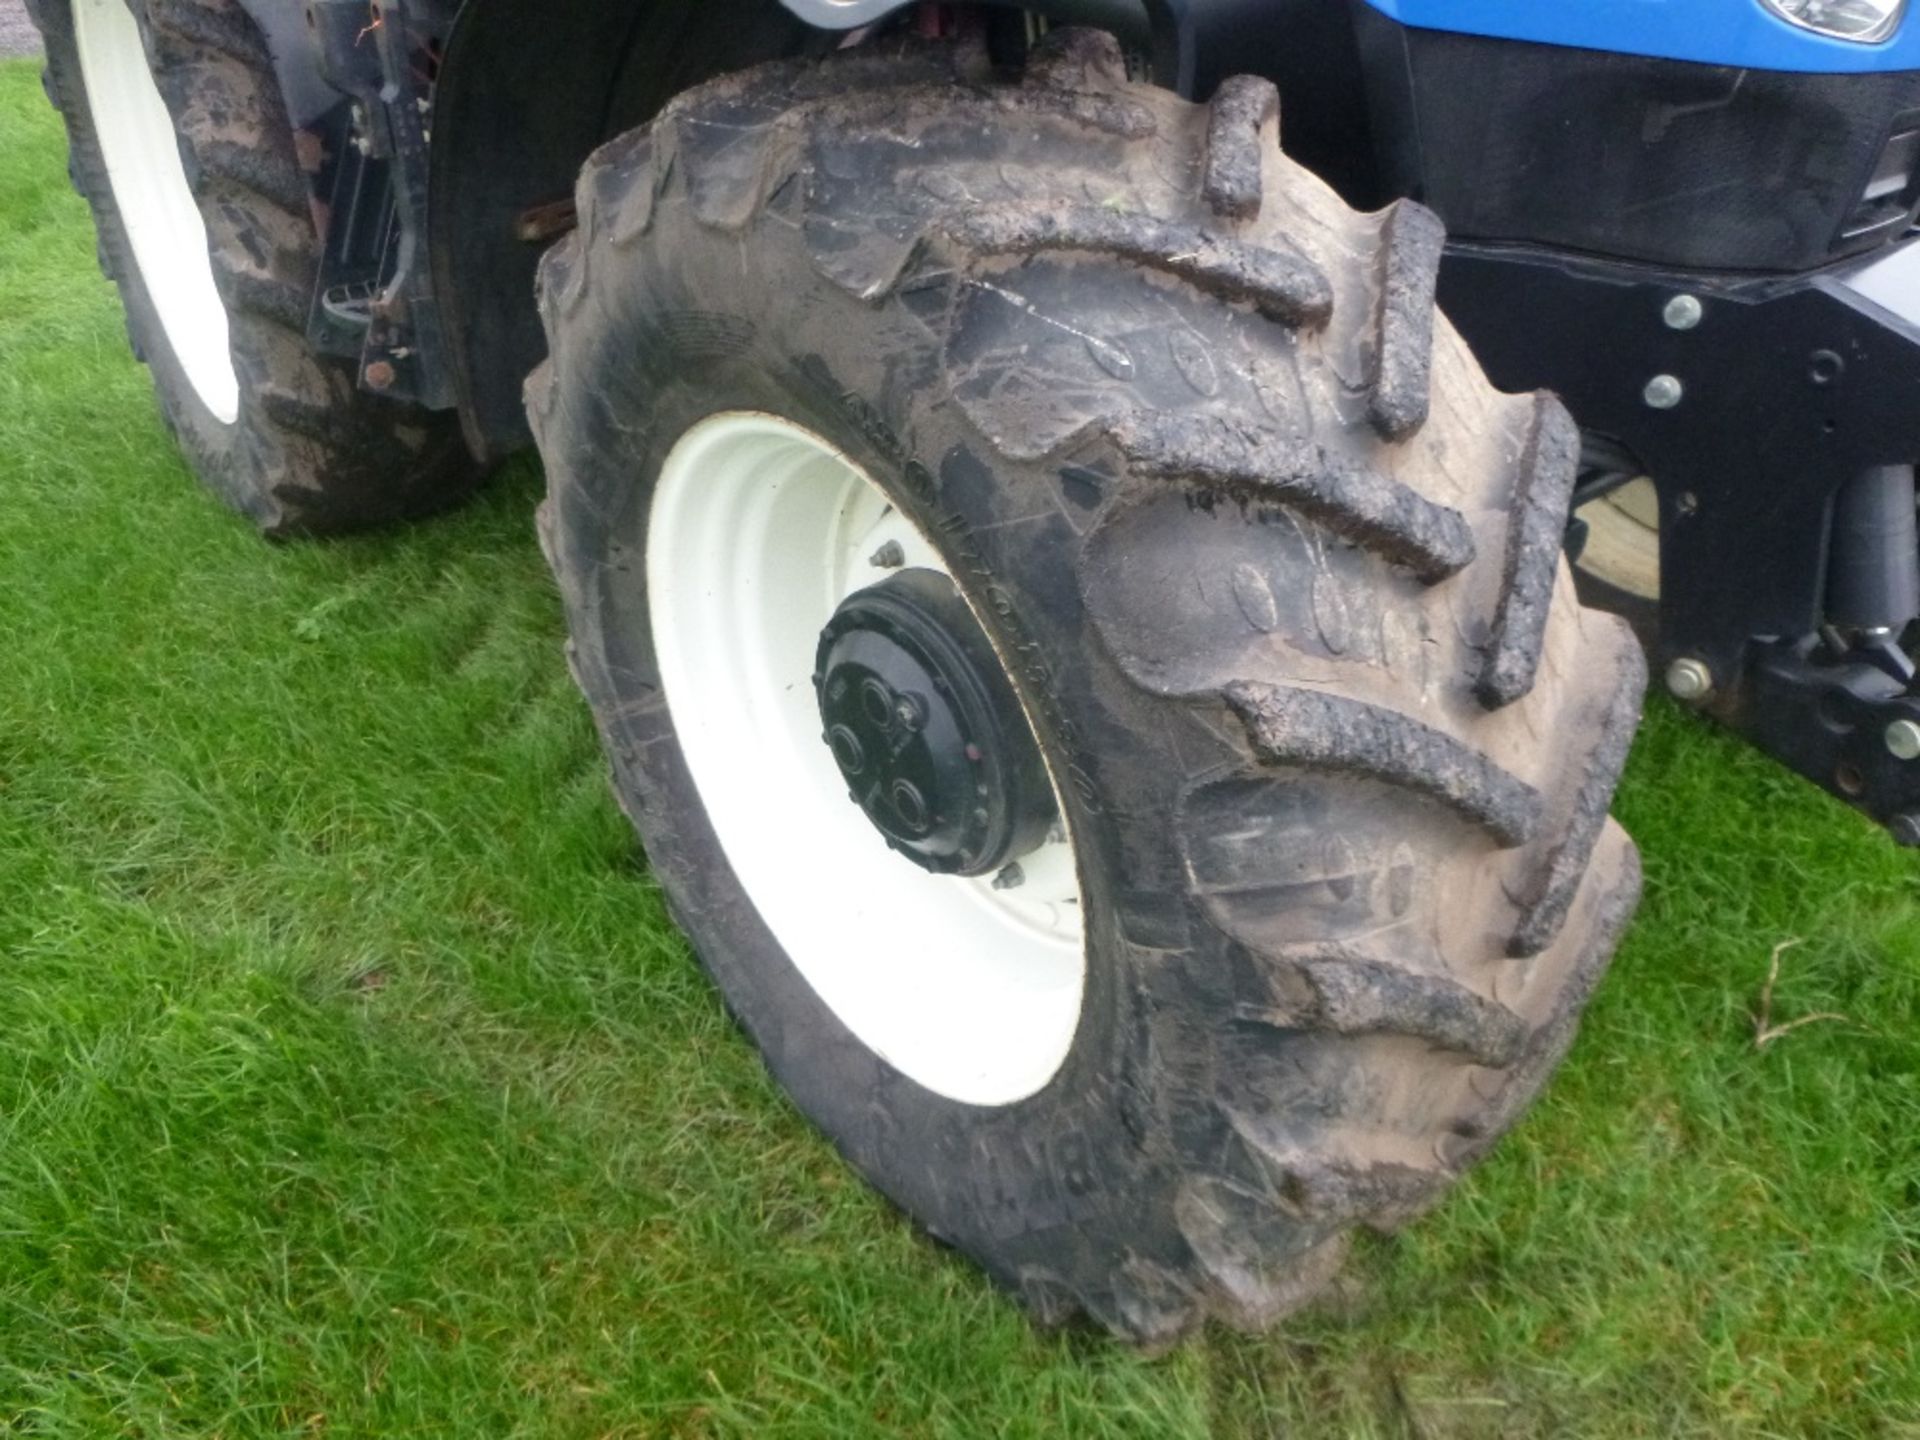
x: 1088, y: 656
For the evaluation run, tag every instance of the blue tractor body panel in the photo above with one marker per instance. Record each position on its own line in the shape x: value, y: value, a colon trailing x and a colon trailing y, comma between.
x: 1713, y: 32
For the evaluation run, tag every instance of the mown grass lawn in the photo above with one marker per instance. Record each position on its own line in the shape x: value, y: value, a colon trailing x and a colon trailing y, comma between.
x: 352, y: 1080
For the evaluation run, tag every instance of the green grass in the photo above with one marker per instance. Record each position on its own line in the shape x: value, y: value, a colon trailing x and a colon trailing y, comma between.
x: 352, y: 1080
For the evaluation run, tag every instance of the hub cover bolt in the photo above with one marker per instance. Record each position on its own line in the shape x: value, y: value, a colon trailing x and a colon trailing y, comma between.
x: 1903, y: 739
x: 1663, y: 392
x: 1905, y: 829
x: 1683, y: 312
x: 1689, y: 679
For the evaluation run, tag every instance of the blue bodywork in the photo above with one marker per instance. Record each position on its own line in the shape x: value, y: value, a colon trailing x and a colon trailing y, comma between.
x: 1715, y: 32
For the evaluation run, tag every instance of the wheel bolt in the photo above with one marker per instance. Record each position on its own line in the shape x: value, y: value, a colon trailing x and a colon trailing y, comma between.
x: 848, y: 752
x: 1663, y: 392
x: 910, y: 805
x: 1689, y: 680
x: 878, y: 700
x: 1903, y: 740
x: 1683, y: 312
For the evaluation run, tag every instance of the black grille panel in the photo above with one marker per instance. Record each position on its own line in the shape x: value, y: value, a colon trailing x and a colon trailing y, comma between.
x: 1696, y: 166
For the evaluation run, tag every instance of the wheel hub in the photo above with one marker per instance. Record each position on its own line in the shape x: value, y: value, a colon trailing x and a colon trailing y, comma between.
x: 926, y: 730
x: 758, y: 528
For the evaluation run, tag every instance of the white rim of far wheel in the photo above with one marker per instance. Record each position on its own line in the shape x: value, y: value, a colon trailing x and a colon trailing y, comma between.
x: 759, y: 529
x: 162, y: 219
x: 1623, y: 539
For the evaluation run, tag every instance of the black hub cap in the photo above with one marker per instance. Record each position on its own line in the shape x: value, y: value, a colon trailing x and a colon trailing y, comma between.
x: 925, y: 727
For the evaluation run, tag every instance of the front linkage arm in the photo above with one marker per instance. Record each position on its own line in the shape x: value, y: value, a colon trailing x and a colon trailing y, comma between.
x: 375, y: 292
x: 357, y: 78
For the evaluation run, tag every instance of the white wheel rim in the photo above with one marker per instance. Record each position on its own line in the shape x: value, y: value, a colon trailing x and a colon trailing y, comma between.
x: 758, y: 530
x: 1623, y: 539
x: 162, y: 220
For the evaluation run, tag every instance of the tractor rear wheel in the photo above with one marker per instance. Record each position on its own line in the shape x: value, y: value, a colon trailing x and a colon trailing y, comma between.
x: 178, y: 140
x: 1088, y: 656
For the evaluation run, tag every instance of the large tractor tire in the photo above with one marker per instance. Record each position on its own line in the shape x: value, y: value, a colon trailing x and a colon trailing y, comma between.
x: 178, y: 140
x: 1088, y: 657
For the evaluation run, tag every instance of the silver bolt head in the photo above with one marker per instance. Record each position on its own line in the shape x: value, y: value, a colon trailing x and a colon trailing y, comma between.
x: 1683, y: 312
x: 1663, y: 392
x: 1689, y: 679
x: 1905, y: 829
x: 1903, y: 740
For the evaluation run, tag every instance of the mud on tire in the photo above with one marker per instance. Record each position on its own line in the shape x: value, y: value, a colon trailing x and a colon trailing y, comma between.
x: 309, y: 452
x: 1281, y: 573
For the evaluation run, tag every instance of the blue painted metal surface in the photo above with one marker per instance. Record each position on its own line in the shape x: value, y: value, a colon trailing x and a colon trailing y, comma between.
x: 1715, y: 32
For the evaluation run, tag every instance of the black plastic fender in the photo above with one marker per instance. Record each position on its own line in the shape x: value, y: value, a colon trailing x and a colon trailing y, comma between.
x: 296, y: 60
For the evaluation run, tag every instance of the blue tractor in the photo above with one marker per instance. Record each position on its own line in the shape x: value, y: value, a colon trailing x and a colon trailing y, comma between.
x: 1113, y: 544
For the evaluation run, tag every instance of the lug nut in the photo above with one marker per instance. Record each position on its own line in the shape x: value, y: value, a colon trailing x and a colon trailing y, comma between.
x: 1683, y: 312
x: 1663, y: 392
x: 848, y: 752
x: 1903, y: 740
x: 910, y: 805
x: 877, y: 700
x: 1689, y: 680
x: 1905, y: 829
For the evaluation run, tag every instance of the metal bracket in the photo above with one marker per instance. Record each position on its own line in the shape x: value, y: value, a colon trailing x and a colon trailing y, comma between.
x: 375, y: 293
x: 1751, y: 405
